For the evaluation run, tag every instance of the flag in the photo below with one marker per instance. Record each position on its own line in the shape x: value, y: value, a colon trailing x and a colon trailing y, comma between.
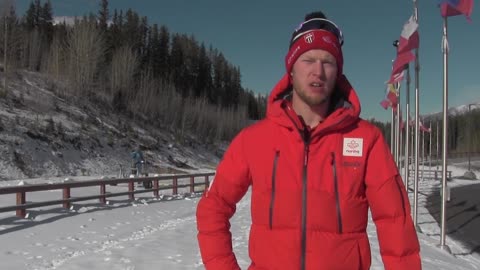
x: 411, y: 43
x: 424, y: 128
x: 456, y: 7
x: 401, y: 60
x: 385, y: 103
x: 394, y: 78
x: 392, y: 95
x: 409, y: 38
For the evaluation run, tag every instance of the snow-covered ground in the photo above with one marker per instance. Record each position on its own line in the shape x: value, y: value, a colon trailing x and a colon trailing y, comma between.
x: 160, y: 233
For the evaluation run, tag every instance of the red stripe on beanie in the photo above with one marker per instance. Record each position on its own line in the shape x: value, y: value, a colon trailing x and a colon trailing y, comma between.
x: 315, y: 39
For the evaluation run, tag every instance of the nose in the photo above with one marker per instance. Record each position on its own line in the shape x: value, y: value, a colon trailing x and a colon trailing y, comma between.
x: 318, y: 69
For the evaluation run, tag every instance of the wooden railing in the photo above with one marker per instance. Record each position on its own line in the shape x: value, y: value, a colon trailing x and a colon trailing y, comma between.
x: 435, y: 174
x: 66, y: 200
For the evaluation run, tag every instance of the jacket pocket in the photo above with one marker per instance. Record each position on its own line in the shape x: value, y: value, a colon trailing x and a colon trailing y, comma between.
x: 337, y: 195
x: 272, y: 197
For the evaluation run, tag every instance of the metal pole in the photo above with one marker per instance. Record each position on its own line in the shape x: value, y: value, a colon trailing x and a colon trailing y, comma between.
x: 444, y: 142
x: 469, y: 135
x: 392, y: 134
x: 417, y: 103
x: 400, y: 143
x: 438, y: 142
x: 397, y: 128
x: 430, y: 146
x: 407, y: 129
x: 423, y: 150
x: 412, y: 152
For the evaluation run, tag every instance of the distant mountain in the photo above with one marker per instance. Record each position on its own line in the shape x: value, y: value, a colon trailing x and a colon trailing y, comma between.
x: 458, y: 110
x: 69, y: 20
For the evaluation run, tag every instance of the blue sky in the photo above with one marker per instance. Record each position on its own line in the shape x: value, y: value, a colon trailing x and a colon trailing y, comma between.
x: 254, y: 35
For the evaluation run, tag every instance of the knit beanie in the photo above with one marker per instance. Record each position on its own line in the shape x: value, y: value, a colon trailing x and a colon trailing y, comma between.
x: 316, y: 32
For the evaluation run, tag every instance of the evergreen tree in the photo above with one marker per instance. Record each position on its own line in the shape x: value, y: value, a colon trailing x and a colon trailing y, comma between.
x: 144, y: 33
x: 153, y: 50
x: 115, y: 39
x: 29, y: 19
x: 37, y: 11
x: 46, y: 21
x: 131, y: 31
x: 163, y: 51
x: 177, y: 58
x: 204, y: 78
x: 103, y: 16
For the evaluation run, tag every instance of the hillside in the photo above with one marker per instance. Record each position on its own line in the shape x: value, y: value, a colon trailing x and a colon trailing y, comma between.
x: 44, y: 134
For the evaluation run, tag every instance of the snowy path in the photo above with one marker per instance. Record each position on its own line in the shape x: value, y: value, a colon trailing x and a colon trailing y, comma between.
x: 151, y: 234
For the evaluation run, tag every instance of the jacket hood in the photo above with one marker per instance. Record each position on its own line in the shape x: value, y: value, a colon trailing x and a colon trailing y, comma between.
x: 345, y: 112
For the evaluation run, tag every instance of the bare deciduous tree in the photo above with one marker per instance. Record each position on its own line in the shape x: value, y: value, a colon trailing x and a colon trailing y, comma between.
x: 56, y: 64
x: 85, y: 49
x: 123, y: 69
x: 4, y: 11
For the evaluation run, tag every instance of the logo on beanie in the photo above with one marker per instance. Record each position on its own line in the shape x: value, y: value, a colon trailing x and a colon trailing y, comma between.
x: 327, y: 39
x: 309, y: 38
x: 330, y: 41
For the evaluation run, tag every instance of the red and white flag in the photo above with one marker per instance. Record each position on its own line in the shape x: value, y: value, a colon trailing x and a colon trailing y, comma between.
x: 394, y: 78
x: 401, y: 60
x: 409, y: 38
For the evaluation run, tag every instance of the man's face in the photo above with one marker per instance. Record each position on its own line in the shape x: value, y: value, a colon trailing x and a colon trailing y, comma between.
x: 313, y: 77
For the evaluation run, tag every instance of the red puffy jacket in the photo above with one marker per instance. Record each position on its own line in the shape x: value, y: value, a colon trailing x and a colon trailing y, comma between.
x: 310, y: 194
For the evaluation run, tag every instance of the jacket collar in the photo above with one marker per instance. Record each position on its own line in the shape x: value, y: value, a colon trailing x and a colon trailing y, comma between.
x: 345, y: 112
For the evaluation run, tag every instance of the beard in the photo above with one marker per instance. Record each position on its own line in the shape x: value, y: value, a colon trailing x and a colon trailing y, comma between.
x: 313, y: 101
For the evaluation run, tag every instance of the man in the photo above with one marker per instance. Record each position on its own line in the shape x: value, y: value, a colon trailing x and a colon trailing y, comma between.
x: 138, y: 161
x: 315, y: 169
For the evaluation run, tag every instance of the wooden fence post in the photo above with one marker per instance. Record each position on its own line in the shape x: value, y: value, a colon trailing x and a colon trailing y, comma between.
x: 21, y: 200
x: 207, y: 184
x: 102, y: 192
x: 192, y: 184
x: 66, y: 196
x: 131, y: 188
x: 175, y: 185
x: 155, y: 188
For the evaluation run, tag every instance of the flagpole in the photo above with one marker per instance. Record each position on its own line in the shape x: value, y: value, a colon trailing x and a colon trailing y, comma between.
x: 430, y: 146
x: 407, y: 129
x: 392, y: 134
x: 443, y: 246
x: 397, y: 117
x: 423, y: 151
x: 438, y: 142
x: 392, y: 128
x: 400, y: 139
x: 397, y: 127
x: 417, y: 103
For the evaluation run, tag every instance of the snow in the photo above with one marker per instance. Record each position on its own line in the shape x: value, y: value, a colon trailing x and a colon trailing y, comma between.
x: 151, y: 233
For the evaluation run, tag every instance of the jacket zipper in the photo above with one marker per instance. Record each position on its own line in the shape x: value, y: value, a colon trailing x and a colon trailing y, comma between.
x: 306, y: 140
x: 337, y: 195
x: 272, y: 201
x: 305, y: 134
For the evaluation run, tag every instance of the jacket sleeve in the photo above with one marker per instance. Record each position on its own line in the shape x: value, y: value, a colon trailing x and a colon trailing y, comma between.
x: 390, y: 208
x: 217, y: 206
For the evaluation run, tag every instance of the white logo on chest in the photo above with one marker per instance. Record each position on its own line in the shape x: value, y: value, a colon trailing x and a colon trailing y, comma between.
x: 353, y: 147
